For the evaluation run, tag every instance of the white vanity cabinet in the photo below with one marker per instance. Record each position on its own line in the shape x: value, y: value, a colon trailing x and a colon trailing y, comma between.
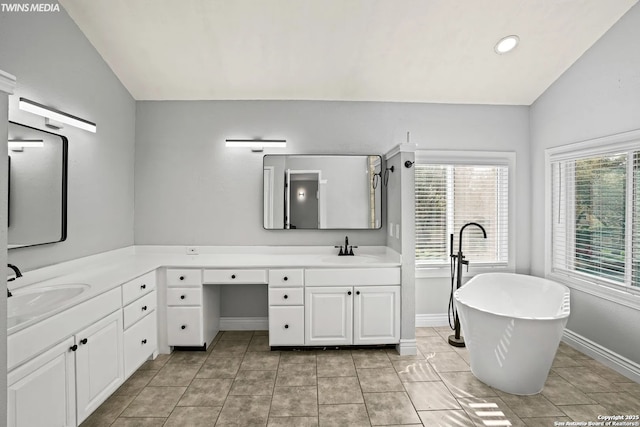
x: 337, y: 312
x: 139, y: 299
x: 286, y: 307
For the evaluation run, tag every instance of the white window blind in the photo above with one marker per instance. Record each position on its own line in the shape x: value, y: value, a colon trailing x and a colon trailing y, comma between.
x: 449, y: 196
x: 595, y: 217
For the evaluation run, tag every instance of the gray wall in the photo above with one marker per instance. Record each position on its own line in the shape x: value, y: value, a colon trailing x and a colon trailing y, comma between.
x: 598, y: 96
x: 57, y: 66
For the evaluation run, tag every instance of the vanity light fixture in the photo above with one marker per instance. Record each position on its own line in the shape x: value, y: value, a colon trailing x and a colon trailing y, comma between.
x: 20, y: 144
x: 55, y: 115
x: 506, y: 44
x: 256, y: 145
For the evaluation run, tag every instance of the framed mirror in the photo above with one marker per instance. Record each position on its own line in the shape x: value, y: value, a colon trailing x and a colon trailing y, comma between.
x: 37, y: 213
x: 322, y: 192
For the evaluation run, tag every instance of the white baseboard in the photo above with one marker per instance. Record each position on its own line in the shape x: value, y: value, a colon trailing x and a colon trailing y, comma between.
x: 244, y: 323
x: 407, y: 348
x: 432, y: 320
x: 618, y: 363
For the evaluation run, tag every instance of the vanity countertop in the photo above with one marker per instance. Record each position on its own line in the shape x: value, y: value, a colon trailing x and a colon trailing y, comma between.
x: 103, y: 272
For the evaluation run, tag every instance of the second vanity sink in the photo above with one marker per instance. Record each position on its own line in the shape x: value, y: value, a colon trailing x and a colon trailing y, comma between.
x: 29, y: 303
x: 355, y: 259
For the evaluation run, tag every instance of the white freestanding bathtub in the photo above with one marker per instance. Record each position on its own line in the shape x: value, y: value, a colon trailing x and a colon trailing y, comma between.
x: 512, y: 325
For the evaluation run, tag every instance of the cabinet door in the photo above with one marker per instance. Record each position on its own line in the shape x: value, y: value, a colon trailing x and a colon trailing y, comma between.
x: 42, y: 392
x: 328, y: 315
x: 376, y: 315
x: 99, y: 363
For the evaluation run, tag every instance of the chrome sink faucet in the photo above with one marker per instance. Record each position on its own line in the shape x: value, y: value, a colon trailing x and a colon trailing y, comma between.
x: 17, y: 273
x: 347, y: 250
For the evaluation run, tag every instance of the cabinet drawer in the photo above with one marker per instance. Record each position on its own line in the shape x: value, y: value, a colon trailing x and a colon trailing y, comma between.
x: 139, y: 308
x: 230, y: 277
x: 137, y: 287
x: 140, y: 342
x: 286, y: 296
x: 184, y: 296
x: 183, y: 277
x: 286, y: 326
x: 184, y: 326
x: 286, y: 278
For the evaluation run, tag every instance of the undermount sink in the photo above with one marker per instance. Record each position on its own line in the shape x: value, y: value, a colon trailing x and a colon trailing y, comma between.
x: 29, y: 303
x: 355, y: 259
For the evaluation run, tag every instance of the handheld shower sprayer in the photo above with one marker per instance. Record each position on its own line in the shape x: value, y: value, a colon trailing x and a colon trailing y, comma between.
x: 457, y: 261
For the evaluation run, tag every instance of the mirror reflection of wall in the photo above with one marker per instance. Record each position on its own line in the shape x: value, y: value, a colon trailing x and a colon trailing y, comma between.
x: 37, y: 186
x: 339, y: 192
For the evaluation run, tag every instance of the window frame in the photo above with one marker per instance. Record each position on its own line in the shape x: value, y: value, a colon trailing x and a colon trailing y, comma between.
x: 601, y: 287
x: 484, y: 158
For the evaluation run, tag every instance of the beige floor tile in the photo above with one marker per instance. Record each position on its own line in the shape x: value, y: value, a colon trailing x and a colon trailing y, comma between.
x: 435, y: 344
x: 295, y: 402
x: 333, y: 391
x: 618, y: 403
x: 390, y: 408
x: 260, y: 361
x: 108, y: 411
x: 195, y: 357
x: 139, y: 422
x: 157, y: 363
x: 296, y: 375
x: 293, y: 422
x: 371, y: 360
x: 334, y: 354
x: 564, y: 361
x: 250, y: 387
x: 351, y: 415
x: 206, y: 392
x: 445, y: 418
x: 570, y: 351
x: 561, y: 392
x: 415, y: 370
x: 585, y: 379
x: 336, y: 367
x: 294, y: 357
x: 465, y: 384
x: 154, y: 402
x: 264, y: 333
x: 544, y: 421
x: 605, y: 372
x: 259, y: 343
x: 499, y: 411
x: 220, y: 367
x: 175, y: 375
x: 257, y: 375
x: 379, y: 380
x: 135, y: 383
x: 530, y: 406
x: 236, y: 336
x: 245, y: 411
x: 395, y: 357
x: 229, y: 348
x: 193, y: 416
x: 584, y: 413
x: 429, y: 396
x: 426, y: 332
x: 447, y: 362
x: 633, y: 388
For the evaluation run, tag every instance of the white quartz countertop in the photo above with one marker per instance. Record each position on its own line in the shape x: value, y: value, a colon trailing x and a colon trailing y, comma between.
x: 109, y: 270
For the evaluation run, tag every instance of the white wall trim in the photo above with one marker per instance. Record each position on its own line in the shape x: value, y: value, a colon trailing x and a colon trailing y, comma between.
x: 405, y: 147
x: 618, y: 363
x: 7, y: 82
x: 244, y: 323
x: 407, y: 347
x: 432, y: 320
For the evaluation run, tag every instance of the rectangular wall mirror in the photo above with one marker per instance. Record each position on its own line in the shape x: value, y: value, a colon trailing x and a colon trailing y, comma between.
x: 322, y: 192
x: 37, y: 187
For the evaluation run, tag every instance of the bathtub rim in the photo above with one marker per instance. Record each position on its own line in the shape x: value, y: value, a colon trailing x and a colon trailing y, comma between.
x: 566, y: 310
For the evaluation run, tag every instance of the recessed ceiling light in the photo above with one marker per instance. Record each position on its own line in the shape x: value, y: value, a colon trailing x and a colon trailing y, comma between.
x: 506, y: 44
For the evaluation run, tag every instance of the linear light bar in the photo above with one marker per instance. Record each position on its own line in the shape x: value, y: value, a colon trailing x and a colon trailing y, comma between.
x: 257, y: 143
x: 25, y: 143
x: 53, y: 114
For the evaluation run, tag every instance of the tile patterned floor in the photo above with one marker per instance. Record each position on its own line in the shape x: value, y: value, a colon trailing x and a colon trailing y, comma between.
x: 239, y: 382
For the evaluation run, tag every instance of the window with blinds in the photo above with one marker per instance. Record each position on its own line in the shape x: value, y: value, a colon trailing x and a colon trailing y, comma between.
x: 447, y: 196
x: 595, y: 217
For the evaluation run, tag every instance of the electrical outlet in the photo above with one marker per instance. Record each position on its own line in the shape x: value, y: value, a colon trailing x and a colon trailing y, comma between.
x: 192, y: 250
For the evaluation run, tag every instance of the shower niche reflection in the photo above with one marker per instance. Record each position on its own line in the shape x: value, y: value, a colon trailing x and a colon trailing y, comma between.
x: 322, y: 192
x: 37, y: 178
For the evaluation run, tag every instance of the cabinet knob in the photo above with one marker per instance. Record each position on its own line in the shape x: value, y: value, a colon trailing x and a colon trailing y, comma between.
x: 357, y: 292
x: 183, y: 296
x: 286, y: 326
x: 144, y: 341
x: 144, y: 308
x: 73, y: 347
x: 286, y: 296
x: 349, y: 293
x: 285, y: 278
x: 183, y: 327
x: 233, y: 276
x: 143, y: 286
x: 83, y: 341
x: 181, y: 277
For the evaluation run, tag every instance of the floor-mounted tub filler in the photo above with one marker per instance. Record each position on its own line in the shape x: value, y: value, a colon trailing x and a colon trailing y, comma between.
x: 512, y: 324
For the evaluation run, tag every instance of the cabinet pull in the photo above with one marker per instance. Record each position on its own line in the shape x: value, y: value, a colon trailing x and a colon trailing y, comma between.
x: 286, y: 278
x: 286, y: 296
x: 183, y: 296
x: 83, y: 341
x: 144, y: 308
x: 286, y: 326
x: 357, y: 292
x: 183, y: 327
x: 143, y: 286
x: 349, y: 293
x: 73, y: 347
x: 144, y: 341
x: 181, y: 277
x: 233, y: 276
